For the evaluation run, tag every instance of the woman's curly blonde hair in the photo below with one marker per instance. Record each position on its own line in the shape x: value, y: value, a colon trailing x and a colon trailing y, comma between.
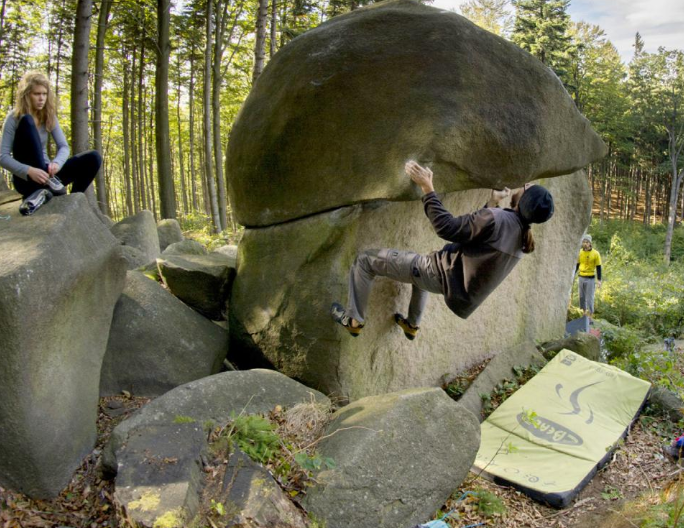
x: 48, y: 114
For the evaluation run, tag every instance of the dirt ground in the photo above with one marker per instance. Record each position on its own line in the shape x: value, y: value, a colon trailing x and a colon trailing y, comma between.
x: 637, y: 469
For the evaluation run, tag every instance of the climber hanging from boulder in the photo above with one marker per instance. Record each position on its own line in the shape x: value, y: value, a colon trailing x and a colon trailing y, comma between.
x: 484, y: 247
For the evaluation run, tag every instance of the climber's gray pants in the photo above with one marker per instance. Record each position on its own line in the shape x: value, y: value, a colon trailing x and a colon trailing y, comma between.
x: 586, y: 293
x: 402, y: 266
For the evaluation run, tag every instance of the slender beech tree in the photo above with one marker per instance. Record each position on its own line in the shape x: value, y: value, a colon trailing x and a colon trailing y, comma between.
x: 79, y: 77
x: 260, y: 41
x: 671, y: 64
x: 207, y: 128
x: 167, y: 194
x: 102, y: 21
x: 80, y: 139
x: 274, y: 28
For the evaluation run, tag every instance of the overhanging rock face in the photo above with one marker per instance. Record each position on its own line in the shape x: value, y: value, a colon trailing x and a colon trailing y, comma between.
x: 289, y: 274
x: 338, y: 111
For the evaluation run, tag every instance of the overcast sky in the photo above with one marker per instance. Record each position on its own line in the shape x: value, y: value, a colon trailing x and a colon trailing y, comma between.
x: 660, y: 22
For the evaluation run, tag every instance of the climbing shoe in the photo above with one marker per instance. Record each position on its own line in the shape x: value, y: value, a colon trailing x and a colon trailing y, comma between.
x: 56, y: 186
x: 34, y: 201
x: 340, y: 316
x: 410, y: 331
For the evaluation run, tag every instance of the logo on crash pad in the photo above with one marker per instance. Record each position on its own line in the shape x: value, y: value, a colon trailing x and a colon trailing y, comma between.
x: 550, y: 431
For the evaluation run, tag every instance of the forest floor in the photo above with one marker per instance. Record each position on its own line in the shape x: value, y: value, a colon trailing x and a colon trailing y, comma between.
x: 621, y: 495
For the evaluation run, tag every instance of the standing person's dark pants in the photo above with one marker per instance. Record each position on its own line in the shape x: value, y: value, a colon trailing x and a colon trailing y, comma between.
x: 80, y: 170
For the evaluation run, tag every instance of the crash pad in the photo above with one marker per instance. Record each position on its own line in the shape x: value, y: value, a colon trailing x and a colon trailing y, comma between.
x: 549, y: 438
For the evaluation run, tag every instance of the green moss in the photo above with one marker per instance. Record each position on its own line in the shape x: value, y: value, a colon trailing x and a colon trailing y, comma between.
x: 171, y: 519
x: 148, y: 502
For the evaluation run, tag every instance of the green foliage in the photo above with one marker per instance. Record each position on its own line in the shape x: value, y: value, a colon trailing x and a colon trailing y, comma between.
x: 217, y: 508
x: 541, y: 27
x: 640, y: 297
x: 659, y: 366
x: 668, y: 512
x: 256, y: 437
x: 199, y: 227
x: 488, y: 504
x: 491, y: 15
x: 611, y: 493
x: 314, y: 462
x: 619, y: 341
x: 505, y: 388
x: 457, y: 387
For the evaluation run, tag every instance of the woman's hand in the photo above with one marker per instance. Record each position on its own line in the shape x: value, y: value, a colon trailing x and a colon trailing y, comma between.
x: 420, y: 175
x: 38, y: 175
x: 53, y: 169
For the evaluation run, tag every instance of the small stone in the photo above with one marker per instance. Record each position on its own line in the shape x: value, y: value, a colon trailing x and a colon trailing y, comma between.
x: 114, y: 404
x: 113, y: 413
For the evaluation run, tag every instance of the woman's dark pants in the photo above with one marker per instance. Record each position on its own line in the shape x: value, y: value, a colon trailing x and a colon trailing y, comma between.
x: 79, y: 170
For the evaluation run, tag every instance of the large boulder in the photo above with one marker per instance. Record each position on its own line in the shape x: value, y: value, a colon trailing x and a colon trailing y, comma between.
x: 169, y: 232
x: 135, y: 258
x: 159, y: 476
x: 253, y: 499
x: 140, y: 232
x: 585, y: 344
x: 397, y: 457
x: 60, y: 276
x: 157, y: 342
x: 185, y: 247
x: 279, y: 307
x: 212, y: 399
x: 338, y: 111
x: 200, y: 281
x: 8, y: 196
x: 230, y: 251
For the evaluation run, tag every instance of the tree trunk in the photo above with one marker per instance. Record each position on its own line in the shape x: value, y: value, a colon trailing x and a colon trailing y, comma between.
x: 135, y: 178
x: 191, y: 125
x: 102, y: 21
x: 219, y: 32
x: 208, y: 146
x: 167, y: 194
x: 672, y: 211
x: 647, y: 205
x: 184, y: 195
x: 274, y: 27
x: 79, y: 77
x: 260, y: 42
x: 2, y: 20
x: 150, y: 165
x: 139, y: 152
x: 58, y: 55
x: 126, y: 144
x: 79, y: 85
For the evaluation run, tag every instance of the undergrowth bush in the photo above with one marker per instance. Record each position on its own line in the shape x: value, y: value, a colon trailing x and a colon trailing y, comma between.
x: 199, y: 227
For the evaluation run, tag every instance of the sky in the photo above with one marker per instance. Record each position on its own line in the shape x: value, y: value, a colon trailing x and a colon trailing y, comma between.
x: 660, y: 22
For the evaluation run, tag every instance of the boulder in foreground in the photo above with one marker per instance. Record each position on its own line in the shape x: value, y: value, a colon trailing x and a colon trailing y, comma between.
x: 61, y: 273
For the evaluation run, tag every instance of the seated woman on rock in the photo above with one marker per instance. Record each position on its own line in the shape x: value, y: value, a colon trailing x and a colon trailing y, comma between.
x: 23, y: 150
x: 485, y: 246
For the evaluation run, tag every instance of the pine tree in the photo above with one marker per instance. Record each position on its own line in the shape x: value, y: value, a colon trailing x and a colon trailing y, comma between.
x: 541, y: 27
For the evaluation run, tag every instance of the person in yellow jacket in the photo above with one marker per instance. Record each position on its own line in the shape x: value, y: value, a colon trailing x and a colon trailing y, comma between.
x: 589, y: 267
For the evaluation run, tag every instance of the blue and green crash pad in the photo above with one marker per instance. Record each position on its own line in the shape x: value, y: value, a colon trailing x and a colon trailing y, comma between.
x: 549, y: 438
